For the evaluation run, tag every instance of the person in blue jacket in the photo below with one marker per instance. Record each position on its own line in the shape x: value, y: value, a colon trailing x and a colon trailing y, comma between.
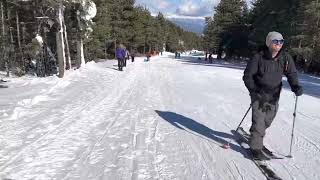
x: 120, y: 55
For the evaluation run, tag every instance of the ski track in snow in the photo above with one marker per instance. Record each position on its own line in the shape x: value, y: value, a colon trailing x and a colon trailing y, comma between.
x: 163, y: 119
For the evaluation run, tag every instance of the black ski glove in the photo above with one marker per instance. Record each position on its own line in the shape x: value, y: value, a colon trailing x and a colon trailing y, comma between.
x: 255, y: 96
x: 297, y: 90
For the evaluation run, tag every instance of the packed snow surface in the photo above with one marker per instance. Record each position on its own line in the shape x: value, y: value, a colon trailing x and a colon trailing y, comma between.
x: 163, y: 119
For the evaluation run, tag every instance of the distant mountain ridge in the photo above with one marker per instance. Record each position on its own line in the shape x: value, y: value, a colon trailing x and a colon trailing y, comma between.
x: 195, y: 25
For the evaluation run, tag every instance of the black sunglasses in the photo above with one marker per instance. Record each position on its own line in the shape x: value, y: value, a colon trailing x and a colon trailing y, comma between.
x: 278, y: 41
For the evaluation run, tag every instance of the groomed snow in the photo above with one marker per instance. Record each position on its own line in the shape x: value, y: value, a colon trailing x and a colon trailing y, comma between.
x: 163, y: 119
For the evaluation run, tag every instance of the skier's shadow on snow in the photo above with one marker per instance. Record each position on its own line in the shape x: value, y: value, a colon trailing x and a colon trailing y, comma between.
x: 200, y: 130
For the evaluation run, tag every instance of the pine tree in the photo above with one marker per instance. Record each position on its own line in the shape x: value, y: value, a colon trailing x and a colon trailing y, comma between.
x: 312, y: 19
x: 211, y: 42
x: 101, y: 42
x: 272, y: 15
x: 162, y: 30
x: 220, y: 29
x: 115, y: 22
x: 120, y: 16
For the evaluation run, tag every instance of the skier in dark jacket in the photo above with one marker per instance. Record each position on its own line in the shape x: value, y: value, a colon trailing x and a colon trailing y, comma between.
x: 263, y: 78
x: 148, y: 54
x: 210, y: 58
x: 120, y: 55
x: 133, y: 55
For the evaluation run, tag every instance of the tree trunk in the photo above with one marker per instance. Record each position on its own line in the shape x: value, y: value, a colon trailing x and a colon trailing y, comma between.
x: 68, y: 58
x: 19, y: 41
x: 80, y: 53
x: 115, y: 48
x: 23, y: 33
x: 2, y: 19
x: 300, y: 43
x: 10, y: 50
x: 144, y: 47
x: 4, y: 38
x: 314, y: 37
x: 60, y: 44
x: 105, y: 49
x: 3, y: 35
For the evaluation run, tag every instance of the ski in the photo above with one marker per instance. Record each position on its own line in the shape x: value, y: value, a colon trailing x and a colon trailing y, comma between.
x: 262, y: 165
x: 245, y: 137
x: 270, y: 175
x: 3, y: 86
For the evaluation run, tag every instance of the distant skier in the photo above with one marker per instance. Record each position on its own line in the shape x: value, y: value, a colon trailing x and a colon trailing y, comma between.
x: 120, y: 55
x: 127, y: 56
x: 263, y: 78
x: 206, y: 57
x: 210, y: 58
x: 148, y: 56
x: 2, y: 85
x: 133, y: 55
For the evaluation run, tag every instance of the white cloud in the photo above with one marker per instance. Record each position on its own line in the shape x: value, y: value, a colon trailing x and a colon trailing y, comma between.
x: 162, y: 4
x: 155, y: 5
x: 188, y: 8
x: 184, y: 17
x: 196, y: 8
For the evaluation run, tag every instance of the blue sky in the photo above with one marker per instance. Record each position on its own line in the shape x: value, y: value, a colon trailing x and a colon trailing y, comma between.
x: 191, y: 8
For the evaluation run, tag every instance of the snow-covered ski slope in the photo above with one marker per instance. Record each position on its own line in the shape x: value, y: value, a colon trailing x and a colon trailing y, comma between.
x: 164, y: 119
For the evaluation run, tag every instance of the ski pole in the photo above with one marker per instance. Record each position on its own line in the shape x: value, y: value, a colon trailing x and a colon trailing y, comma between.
x: 227, y: 146
x: 294, y: 119
x: 244, y: 117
